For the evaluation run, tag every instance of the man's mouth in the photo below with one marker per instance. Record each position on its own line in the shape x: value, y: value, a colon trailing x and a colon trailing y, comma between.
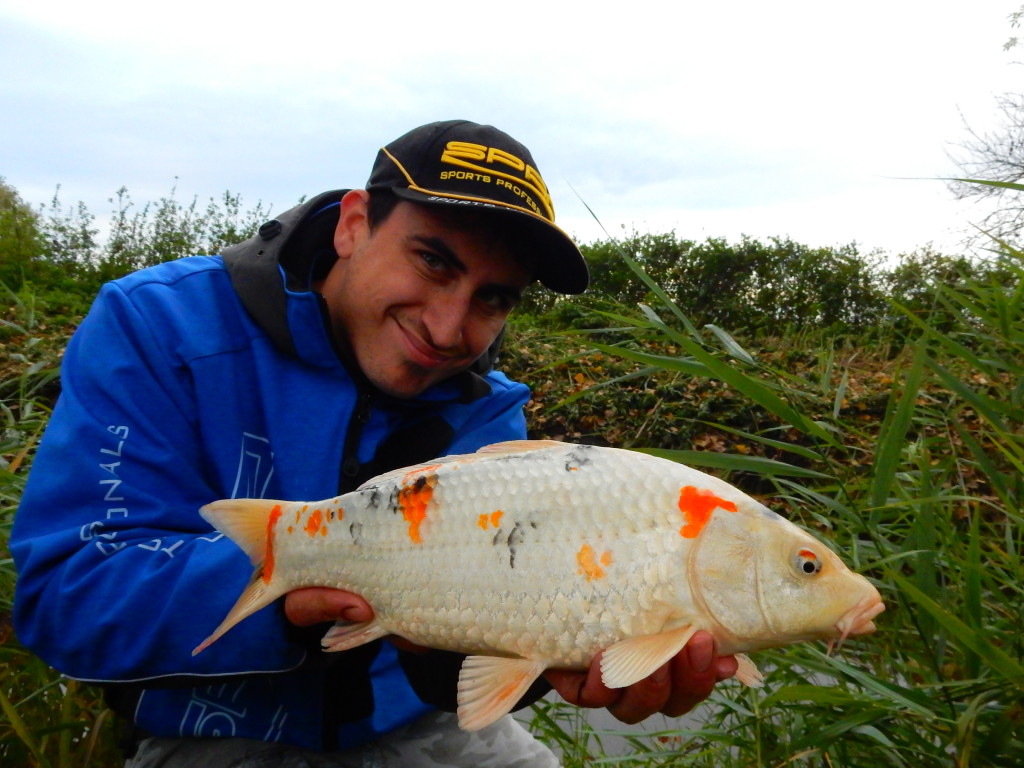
x: 423, y: 353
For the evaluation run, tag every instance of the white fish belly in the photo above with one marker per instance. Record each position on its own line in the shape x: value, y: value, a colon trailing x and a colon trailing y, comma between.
x: 547, y: 560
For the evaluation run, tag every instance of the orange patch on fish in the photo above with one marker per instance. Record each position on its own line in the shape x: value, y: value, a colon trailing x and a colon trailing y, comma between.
x: 590, y: 563
x: 413, y: 500
x: 268, y: 555
x: 808, y: 554
x: 314, y: 523
x: 492, y: 520
x: 697, y: 504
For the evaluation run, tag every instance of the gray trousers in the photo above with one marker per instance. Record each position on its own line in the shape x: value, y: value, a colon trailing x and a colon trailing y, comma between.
x: 433, y: 741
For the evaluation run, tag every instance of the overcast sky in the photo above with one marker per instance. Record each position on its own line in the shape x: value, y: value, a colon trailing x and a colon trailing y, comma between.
x: 826, y: 122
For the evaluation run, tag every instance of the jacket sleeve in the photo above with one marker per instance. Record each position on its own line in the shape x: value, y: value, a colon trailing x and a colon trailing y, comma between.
x: 119, y: 576
x: 494, y: 419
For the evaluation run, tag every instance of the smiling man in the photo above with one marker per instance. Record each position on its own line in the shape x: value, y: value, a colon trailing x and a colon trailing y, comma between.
x: 421, y: 296
x: 353, y: 335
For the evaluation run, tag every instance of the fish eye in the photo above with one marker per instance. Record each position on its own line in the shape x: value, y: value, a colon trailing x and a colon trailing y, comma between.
x: 808, y: 563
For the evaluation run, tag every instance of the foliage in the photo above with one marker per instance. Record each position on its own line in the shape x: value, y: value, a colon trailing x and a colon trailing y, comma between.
x: 1015, y: 19
x: 21, y: 243
x: 45, y: 719
x: 919, y: 487
x: 170, y: 229
x: 897, y: 435
x: 76, y: 259
x: 996, y: 155
x: 758, y: 289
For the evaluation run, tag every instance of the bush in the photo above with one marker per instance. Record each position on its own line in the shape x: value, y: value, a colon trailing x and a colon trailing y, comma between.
x: 21, y: 242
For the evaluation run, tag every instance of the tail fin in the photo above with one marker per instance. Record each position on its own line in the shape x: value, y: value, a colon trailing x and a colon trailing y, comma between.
x: 247, y: 522
x: 250, y: 524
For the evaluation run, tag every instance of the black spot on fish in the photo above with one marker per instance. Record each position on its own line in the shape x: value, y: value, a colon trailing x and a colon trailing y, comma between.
x: 577, y: 458
x: 374, y: 498
x: 765, y: 512
x: 393, y: 504
x: 515, y: 538
x: 497, y: 538
x: 356, y: 532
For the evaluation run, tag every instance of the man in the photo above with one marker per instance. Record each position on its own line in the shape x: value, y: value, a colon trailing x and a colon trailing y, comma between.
x: 354, y: 334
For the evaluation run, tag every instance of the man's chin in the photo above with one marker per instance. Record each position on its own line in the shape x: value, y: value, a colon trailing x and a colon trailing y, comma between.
x: 412, y: 381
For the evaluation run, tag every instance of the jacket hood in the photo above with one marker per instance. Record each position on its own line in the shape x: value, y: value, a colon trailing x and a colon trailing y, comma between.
x: 289, y: 254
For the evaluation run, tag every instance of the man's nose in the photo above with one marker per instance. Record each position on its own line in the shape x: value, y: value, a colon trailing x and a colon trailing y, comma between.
x: 445, y: 321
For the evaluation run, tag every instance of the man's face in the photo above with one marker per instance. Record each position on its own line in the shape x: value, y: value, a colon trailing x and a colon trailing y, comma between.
x: 421, y: 296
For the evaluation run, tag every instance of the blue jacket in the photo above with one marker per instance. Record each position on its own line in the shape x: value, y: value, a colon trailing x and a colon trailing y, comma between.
x: 207, y: 378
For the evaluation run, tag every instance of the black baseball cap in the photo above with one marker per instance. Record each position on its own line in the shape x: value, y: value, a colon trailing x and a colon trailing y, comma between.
x: 461, y: 163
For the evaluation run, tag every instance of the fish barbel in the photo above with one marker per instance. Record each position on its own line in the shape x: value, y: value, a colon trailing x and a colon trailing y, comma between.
x: 532, y: 555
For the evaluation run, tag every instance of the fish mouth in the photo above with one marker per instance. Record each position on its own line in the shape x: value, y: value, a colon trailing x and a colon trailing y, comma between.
x: 857, y: 620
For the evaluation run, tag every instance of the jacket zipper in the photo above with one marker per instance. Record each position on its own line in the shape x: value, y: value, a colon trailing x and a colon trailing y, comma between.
x: 350, y: 465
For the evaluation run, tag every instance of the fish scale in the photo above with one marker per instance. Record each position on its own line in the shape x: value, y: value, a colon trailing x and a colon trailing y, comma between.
x: 536, y: 554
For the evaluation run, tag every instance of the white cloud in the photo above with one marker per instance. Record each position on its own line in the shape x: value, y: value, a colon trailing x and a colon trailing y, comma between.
x: 794, y: 117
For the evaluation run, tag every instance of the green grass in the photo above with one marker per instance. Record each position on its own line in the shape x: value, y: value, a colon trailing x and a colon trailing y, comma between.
x: 905, y: 453
x: 918, y: 485
x: 45, y: 719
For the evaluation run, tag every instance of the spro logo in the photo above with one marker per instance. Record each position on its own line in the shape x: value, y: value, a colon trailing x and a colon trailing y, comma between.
x: 493, y: 165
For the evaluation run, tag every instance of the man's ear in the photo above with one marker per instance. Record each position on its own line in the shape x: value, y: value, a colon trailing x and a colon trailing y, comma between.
x: 353, y: 224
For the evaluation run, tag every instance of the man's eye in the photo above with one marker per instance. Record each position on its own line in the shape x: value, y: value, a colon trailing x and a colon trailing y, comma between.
x: 498, y: 301
x: 431, y: 259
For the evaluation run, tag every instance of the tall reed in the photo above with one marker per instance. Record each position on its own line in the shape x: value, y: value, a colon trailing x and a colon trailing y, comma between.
x: 925, y: 500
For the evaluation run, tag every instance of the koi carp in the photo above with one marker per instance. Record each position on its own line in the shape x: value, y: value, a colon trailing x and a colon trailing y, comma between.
x: 532, y: 555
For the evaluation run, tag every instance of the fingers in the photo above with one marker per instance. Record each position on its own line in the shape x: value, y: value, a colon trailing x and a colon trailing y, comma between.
x: 583, y: 688
x: 673, y: 689
x: 725, y: 667
x: 630, y: 705
x: 694, y: 673
x: 641, y: 700
x: 314, y: 605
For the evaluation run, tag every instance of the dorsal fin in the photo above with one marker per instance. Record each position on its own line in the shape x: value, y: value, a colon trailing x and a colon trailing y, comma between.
x: 493, y: 451
x: 520, y: 446
x: 412, y: 469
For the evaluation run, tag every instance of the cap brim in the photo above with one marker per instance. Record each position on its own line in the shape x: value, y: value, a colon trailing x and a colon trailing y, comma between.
x: 560, y: 265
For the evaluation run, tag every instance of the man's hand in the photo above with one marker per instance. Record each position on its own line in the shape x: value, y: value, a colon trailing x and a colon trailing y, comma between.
x: 673, y: 690
x: 315, y: 605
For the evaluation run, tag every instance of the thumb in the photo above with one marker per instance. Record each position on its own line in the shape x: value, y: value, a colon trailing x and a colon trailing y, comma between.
x: 315, y: 605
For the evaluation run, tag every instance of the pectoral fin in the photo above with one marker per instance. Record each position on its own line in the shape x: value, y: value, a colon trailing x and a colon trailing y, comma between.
x: 490, y: 686
x: 630, y: 661
x: 747, y: 671
x: 344, y: 636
